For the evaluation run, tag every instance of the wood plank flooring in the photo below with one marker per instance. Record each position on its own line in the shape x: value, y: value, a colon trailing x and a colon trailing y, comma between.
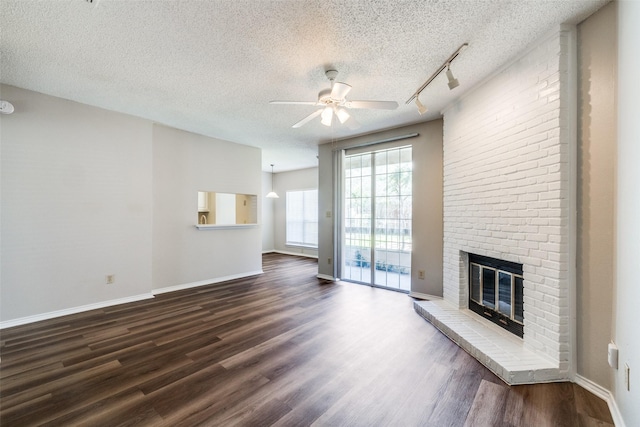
x: 283, y: 348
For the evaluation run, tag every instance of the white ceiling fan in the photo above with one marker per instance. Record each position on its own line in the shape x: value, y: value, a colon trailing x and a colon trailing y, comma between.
x: 333, y: 103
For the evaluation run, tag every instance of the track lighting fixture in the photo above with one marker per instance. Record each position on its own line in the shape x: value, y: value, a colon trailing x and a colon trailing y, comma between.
x: 453, y: 82
x: 272, y: 194
x: 421, y: 108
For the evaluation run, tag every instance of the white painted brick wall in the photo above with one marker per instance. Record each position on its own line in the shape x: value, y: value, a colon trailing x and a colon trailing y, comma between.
x: 506, y: 187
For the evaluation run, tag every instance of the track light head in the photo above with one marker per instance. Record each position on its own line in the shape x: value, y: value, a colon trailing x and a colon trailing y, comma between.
x: 421, y: 108
x: 453, y: 82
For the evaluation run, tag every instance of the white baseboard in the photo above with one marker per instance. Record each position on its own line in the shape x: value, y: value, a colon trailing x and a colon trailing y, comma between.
x: 295, y: 254
x: 603, y: 394
x: 326, y: 277
x: 270, y: 251
x: 427, y: 297
x: 103, y: 304
x: 205, y: 282
x: 72, y: 310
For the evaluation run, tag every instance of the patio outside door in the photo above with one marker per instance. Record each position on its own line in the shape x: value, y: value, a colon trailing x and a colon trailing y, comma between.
x: 377, y: 197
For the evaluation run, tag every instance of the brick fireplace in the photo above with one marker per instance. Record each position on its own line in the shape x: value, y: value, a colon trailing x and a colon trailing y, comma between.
x: 509, y: 193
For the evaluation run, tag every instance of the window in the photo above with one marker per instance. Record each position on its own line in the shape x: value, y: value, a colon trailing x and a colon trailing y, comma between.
x: 302, y: 218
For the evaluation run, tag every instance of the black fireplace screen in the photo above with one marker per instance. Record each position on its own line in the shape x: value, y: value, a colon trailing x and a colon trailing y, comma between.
x: 495, y: 292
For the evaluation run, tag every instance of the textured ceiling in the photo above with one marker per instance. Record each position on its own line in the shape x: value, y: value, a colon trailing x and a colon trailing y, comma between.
x: 211, y: 67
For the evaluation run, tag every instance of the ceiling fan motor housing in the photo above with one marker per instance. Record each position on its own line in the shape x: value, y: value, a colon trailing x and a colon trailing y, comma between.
x: 331, y: 75
x: 324, y: 97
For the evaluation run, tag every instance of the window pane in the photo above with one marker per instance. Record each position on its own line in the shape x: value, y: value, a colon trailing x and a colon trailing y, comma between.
x: 302, y: 218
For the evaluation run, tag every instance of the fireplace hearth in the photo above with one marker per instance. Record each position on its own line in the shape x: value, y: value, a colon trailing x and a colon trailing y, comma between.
x: 496, y: 292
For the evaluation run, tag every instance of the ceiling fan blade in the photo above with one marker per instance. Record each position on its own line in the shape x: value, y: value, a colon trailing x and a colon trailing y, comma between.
x: 340, y: 90
x: 375, y: 105
x: 308, y: 118
x: 294, y: 102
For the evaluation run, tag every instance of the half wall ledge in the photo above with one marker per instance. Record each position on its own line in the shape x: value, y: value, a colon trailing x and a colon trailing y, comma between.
x: 500, y: 351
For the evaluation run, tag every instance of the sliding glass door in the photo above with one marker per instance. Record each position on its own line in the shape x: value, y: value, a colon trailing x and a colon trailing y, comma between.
x: 377, y: 198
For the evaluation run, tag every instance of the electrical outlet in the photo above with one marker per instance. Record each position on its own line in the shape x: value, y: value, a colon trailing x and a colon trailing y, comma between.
x: 110, y: 278
x: 328, y: 214
x: 328, y: 260
x: 421, y: 274
x: 626, y: 376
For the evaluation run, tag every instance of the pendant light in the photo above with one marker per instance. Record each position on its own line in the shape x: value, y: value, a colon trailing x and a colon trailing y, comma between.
x: 272, y: 194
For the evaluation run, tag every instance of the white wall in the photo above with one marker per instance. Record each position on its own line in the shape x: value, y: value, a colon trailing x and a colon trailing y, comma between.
x: 627, y: 300
x: 302, y: 179
x: 183, y: 164
x: 88, y: 193
x: 267, y: 214
x: 76, y: 205
x: 427, y: 203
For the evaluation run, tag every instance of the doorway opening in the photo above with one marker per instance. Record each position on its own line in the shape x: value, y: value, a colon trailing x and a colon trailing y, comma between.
x: 377, y: 218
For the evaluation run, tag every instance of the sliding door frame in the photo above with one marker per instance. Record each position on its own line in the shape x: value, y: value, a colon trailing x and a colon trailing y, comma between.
x: 339, y: 157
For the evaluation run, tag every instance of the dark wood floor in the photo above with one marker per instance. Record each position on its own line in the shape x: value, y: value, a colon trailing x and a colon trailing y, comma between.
x: 283, y: 348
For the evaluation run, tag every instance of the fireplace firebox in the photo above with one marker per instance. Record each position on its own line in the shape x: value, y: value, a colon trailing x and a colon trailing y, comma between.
x: 496, y: 292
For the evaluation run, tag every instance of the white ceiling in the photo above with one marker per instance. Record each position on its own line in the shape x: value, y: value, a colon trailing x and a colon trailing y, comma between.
x: 211, y: 67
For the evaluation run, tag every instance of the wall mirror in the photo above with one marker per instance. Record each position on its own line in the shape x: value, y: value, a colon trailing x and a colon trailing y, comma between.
x: 224, y: 209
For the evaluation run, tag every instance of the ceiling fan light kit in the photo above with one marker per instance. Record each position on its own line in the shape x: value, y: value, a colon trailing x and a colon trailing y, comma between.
x: 333, y: 102
x: 327, y: 116
x: 342, y: 114
x: 452, y: 81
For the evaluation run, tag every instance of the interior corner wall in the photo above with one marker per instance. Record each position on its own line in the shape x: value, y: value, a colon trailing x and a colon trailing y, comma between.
x: 266, y: 224
x: 597, y: 73
x: 427, y: 224
x: 183, y: 164
x: 627, y: 296
x: 302, y: 179
x: 76, y: 205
